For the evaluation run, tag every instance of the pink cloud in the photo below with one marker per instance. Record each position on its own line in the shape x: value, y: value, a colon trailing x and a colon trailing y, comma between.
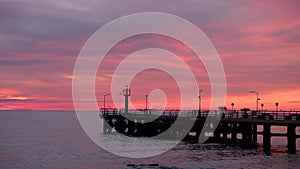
x: 258, y: 43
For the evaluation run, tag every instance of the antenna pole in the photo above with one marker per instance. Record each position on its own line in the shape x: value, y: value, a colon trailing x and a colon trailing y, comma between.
x: 126, y: 93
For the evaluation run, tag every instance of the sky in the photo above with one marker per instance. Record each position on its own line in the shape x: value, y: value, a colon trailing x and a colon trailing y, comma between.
x: 258, y: 43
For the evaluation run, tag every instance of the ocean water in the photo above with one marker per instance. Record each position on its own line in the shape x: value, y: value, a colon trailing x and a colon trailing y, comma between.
x: 55, y: 139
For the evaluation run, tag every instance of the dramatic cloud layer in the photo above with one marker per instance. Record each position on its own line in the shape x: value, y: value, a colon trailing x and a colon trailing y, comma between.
x: 258, y: 43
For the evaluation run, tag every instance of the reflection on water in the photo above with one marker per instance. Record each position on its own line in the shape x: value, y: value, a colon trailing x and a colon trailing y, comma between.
x: 53, y: 139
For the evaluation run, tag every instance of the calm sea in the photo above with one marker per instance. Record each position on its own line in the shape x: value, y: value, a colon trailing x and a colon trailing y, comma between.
x: 54, y: 139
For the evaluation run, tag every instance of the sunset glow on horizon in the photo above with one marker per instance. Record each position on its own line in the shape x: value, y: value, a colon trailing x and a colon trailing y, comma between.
x: 258, y: 43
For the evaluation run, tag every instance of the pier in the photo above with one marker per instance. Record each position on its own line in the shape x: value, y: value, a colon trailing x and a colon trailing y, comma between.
x: 232, y: 124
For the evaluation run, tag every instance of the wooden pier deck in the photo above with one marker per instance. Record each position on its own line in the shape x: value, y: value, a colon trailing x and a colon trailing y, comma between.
x: 231, y: 124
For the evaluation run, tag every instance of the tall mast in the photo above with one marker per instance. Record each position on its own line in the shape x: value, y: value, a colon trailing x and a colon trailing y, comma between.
x: 126, y: 93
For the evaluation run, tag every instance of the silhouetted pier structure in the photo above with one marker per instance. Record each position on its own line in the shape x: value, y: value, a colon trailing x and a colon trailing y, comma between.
x: 232, y: 124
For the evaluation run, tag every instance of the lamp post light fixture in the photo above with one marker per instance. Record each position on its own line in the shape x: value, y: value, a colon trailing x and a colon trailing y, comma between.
x: 257, y: 99
x: 199, y: 110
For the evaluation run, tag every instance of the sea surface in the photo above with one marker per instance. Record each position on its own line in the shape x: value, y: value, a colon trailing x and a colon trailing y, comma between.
x: 55, y: 139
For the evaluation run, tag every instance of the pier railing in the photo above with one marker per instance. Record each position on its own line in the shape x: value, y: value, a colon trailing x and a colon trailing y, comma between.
x: 266, y: 115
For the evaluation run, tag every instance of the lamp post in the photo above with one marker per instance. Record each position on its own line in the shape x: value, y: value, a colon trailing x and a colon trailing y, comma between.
x: 232, y: 109
x: 262, y: 107
x: 199, y: 111
x: 146, y: 102
x: 257, y: 99
x: 104, y: 100
x: 276, y: 104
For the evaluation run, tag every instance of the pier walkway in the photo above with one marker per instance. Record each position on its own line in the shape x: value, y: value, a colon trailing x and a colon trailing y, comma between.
x: 232, y: 123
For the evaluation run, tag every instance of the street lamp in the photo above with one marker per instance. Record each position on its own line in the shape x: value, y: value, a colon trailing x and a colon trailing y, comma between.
x: 104, y: 100
x: 232, y: 105
x: 262, y: 107
x: 146, y: 102
x: 257, y: 99
x: 276, y: 104
x: 199, y: 111
x: 232, y: 109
